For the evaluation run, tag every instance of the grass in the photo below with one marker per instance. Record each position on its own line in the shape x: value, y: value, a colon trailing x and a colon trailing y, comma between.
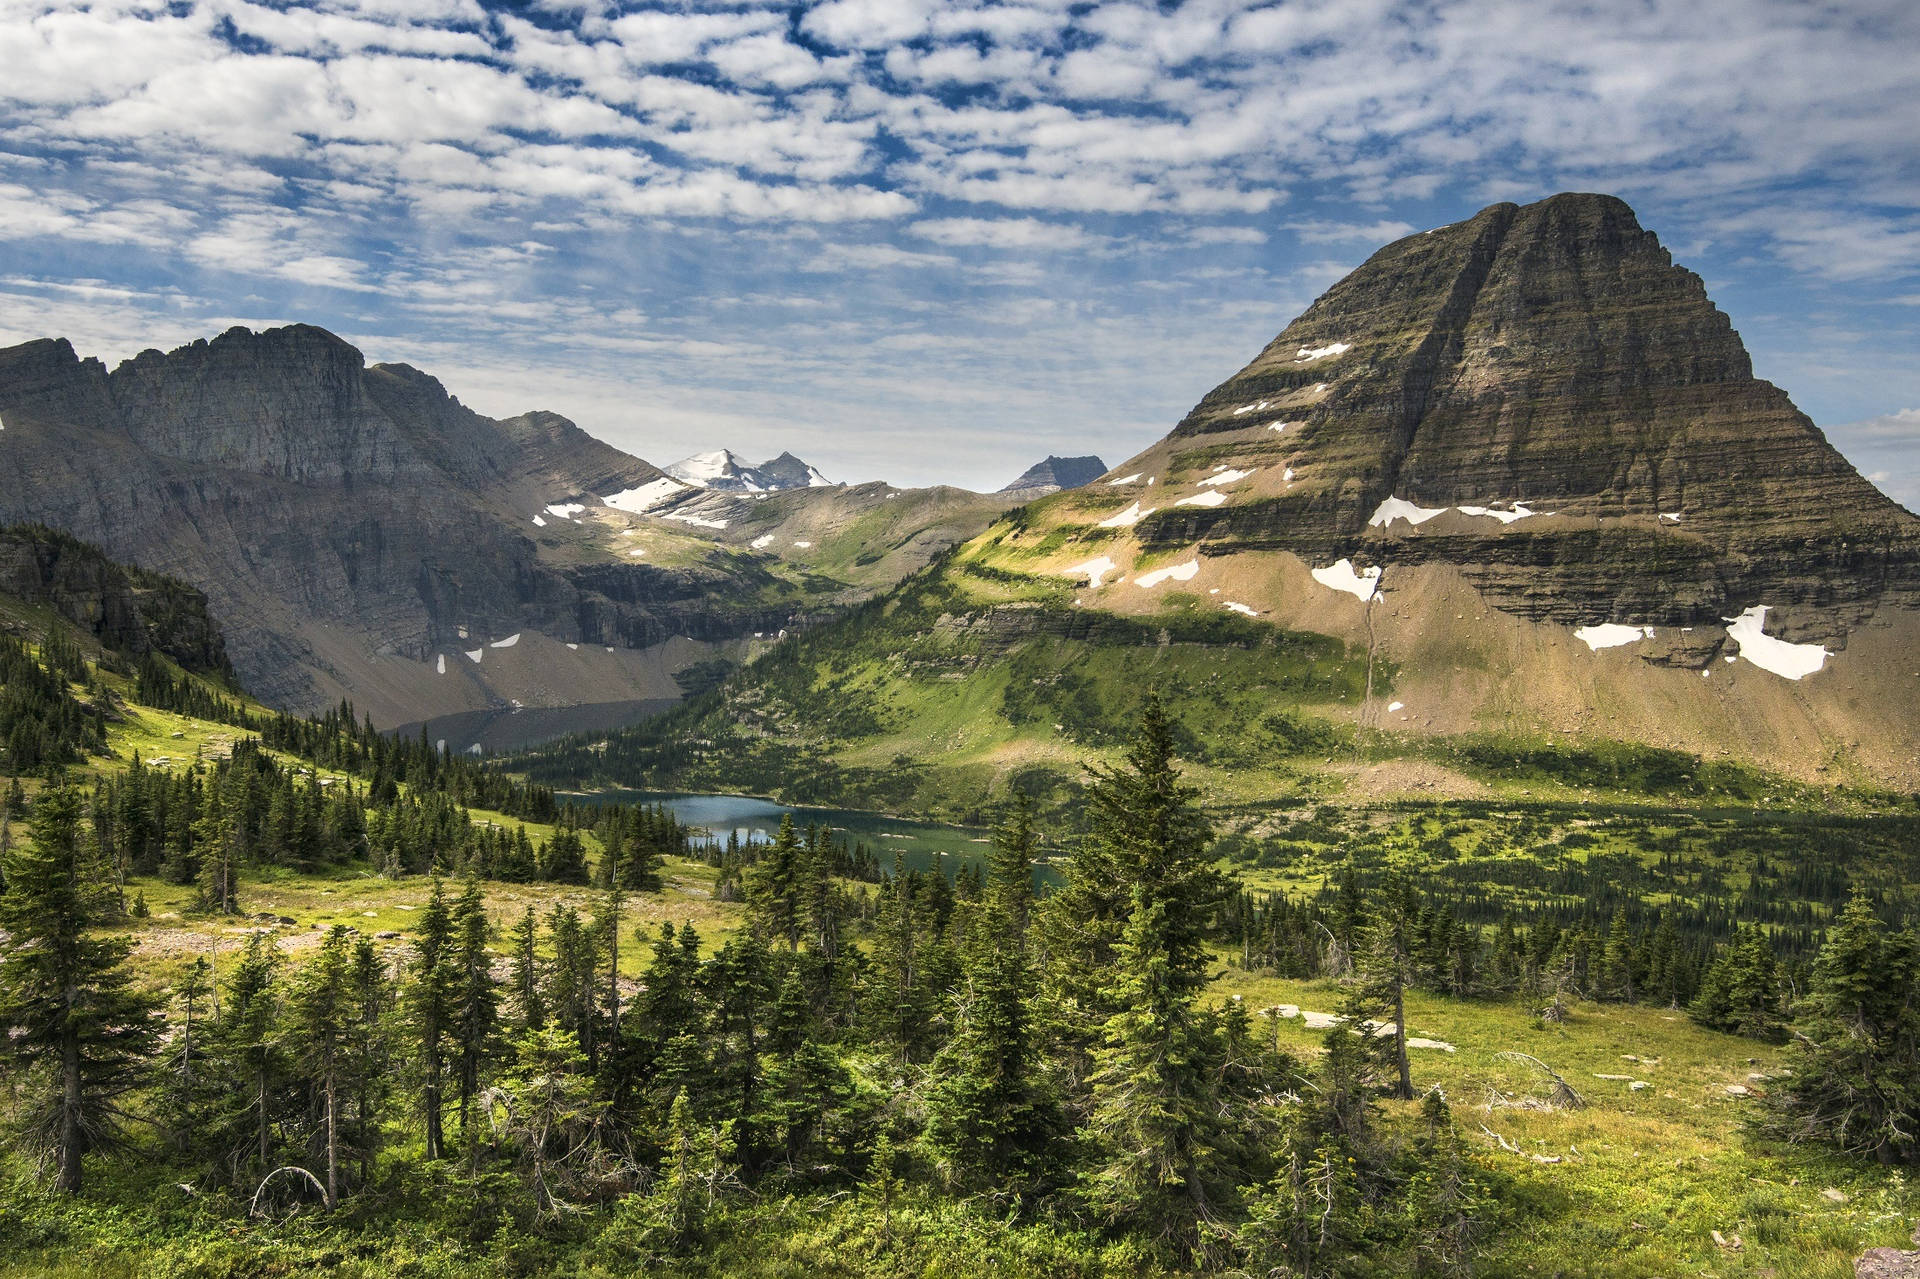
x: 1645, y: 1177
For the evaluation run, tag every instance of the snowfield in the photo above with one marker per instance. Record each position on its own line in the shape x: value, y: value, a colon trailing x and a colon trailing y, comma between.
x: 1788, y: 661
x: 1340, y: 576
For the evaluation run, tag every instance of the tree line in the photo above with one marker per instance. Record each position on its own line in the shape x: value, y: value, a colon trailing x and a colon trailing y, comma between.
x: 1053, y: 1058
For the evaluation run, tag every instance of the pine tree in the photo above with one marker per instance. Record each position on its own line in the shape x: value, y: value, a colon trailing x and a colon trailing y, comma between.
x: 321, y: 1016
x: 431, y: 999
x: 1010, y: 872
x: 1154, y: 1111
x: 1856, y: 1078
x: 475, y: 1005
x: 67, y: 1001
x: 1385, y: 967
x: 1740, y: 993
x: 773, y: 888
x: 248, y: 1049
x: 529, y: 1009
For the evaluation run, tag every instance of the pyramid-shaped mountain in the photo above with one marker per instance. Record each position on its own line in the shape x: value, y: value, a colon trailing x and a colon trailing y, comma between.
x: 1539, y: 398
x: 1051, y: 474
x: 1510, y: 477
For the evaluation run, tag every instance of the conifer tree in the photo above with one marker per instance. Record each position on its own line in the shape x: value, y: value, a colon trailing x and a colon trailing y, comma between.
x: 773, y: 888
x: 74, y: 1025
x: 431, y: 1005
x: 529, y: 1009
x: 1153, y: 1088
x: 1384, y: 964
x: 1010, y: 872
x: 476, y: 1001
x: 248, y: 1048
x: 1856, y: 1078
x: 1740, y: 992
x: 321, y: 1017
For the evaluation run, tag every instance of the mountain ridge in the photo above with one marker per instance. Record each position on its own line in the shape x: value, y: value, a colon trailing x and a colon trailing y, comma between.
x: 1509, y: 482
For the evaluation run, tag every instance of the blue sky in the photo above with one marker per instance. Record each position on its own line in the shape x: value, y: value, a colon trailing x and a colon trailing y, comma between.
x: 930, y: 242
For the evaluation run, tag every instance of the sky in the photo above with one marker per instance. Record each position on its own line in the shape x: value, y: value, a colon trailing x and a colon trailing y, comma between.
x: 930, y: 242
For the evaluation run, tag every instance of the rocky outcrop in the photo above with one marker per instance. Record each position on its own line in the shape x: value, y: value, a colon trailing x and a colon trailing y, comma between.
x: 328, y: 508
x: 1553, y: 356
x: 1051, y: 474
x: 128, y: 611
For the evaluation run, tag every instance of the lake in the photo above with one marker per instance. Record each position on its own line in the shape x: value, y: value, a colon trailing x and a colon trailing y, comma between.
x: 921, y: 845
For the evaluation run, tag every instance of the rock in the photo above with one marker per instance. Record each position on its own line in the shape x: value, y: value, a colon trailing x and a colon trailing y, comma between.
x: 1638, y: 1085
x: 1833, y: 1195
x: 1887, y: 1263
x: 1052, y: 474
x: 1551, y: 353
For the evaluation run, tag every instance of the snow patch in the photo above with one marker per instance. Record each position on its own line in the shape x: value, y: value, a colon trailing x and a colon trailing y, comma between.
x: 1395, y: 706
x: 565, y: 510
x: 1281, y: 426
x: 1395, y: 508
x: 699, y: 520
x: 1096, y: 570
x: 508, y: 642
x: 537, y: 520
x: 475, y: 654
x: 1788, y: 661
x: 1308, y: 354
x: 1125, y: 479
x: 1611, y: 635
x: 1178, y: 572
x: 762, y: 542
x: 647, y: 496
x: 1241, y: 608
x: 1227, y: 477
x: 637, y: 553
x: 805, y: 546
x: 1212, y: 497
x: 1519, y: 512
x: 1127, y: 518
x: 1250, y: 408
x: 574, y: 647
x: 440, y: 664
x: 1340, y: 576
x: 1287, y: 475
x: 1670, y: 515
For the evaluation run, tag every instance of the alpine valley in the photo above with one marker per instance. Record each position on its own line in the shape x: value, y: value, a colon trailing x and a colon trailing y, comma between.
x: 1505, y: 502
x: 1449, y: 808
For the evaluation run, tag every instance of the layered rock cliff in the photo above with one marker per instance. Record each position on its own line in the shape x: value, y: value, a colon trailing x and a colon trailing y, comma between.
x: 1551, y: 367
x: 127, y: 610
x: 337, y: 514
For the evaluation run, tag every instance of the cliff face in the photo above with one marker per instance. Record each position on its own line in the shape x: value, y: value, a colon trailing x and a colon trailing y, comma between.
x: 335, y: 514
x: 1551, y: 356
x: 127, y: 610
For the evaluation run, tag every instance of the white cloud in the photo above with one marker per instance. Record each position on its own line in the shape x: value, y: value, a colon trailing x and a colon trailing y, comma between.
x: 1006, y: 233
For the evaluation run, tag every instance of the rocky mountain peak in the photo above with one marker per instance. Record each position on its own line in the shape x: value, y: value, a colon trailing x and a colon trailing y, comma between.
x: 724, y: 471
x: 1549, y: 366
x: 1051, y: 474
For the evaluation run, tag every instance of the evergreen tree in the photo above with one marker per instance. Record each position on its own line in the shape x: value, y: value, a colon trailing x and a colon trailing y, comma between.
x: 1010, y: 872
x: 529, y: 1009
x: 431, y: 1002
x: 1740, y: 993
x: 773, y: 888
x: 321, y: 1016
x: 475, y: 1006
x: 1379, y: 999
x: 1856, y: 1078
x: 248, y: 1050
x: 1154, y: 1109
x: 76, y: 1027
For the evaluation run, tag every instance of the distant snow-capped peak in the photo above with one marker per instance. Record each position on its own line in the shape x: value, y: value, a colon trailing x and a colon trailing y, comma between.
x: 721, y: 469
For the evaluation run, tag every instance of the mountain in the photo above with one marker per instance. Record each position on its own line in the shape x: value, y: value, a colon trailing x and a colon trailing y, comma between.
x: 360, y: 533
x: 124, y: 610
x: 1052, y: 474
x: 1505, y: 497
x: 723, y: 471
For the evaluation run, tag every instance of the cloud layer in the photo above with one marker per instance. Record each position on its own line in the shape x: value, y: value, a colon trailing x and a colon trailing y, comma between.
x: 923, y: 239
